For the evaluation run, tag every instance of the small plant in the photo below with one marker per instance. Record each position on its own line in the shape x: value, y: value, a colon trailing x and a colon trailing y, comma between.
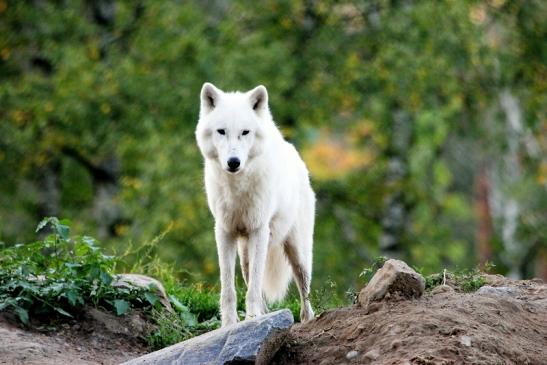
x: 469, y: 280
x: 171, y: 328
x: 434, y: 280
x: 352, y: 295
x: 369, y: 271
x: 326, y: 297
x: 60, y: 274
x: 197, y: 298
x: 461, y: 280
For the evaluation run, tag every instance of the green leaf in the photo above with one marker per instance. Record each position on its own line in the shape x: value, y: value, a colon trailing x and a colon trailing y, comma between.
x: 22, y: 313
x: 63, y: 231
x: 151, y: 298
x: 72, y: 296
x: 43, y: 223
x: 63, y: 312
x: 177, y: 304
x: 189, y: 318
x: 6, y: 302
x: 65, y: 221
x: 122, y: 306
x: 106, y: 278
x: 186, y: 316
x: 94, y: 272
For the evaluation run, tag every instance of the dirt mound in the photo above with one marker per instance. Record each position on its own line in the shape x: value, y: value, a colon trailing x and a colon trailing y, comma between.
x: 94, y: 338
x: 504, y: 323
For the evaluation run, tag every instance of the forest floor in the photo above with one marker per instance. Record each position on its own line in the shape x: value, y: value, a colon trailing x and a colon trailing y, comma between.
x: 507, y: 325
x: 94, y: 338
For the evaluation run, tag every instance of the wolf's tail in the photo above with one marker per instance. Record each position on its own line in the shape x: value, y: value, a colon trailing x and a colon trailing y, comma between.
x: 277, y: 274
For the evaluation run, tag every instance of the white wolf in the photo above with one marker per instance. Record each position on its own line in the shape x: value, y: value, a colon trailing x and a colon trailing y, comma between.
x: 259, y: 192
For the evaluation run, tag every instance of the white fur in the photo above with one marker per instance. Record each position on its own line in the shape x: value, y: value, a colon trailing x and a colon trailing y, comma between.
x: 265, y: 210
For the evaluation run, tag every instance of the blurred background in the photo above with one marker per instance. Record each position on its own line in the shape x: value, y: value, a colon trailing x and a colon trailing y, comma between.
x: 423, y: 124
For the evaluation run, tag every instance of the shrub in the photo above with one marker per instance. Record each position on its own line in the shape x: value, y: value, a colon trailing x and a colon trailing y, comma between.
x: 60, y: 274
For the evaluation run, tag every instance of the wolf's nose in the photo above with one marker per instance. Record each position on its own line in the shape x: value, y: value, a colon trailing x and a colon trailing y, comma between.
x: 233, y: 163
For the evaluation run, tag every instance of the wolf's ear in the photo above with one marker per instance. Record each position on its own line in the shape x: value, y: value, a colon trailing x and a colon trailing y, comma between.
x: 209, y: 97
x: 258, y: 98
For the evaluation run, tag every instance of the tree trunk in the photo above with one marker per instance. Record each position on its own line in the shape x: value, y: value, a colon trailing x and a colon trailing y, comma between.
x: 511, y: 174
x: 484, y: 233
x: 395, y: 212
x: 49, y: 194
x: 541, y: 264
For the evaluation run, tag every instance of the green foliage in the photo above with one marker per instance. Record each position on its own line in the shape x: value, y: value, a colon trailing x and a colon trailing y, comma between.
x: 326, y: 296
x: 461, y: 280
x: 60, y: 274
x: 171, y: 328
x: 196, y: 298
x: 98, y: 113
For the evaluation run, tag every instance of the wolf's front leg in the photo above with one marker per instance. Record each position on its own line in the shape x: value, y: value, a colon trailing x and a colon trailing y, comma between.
x: 258, y: 249
x: 226, y: 247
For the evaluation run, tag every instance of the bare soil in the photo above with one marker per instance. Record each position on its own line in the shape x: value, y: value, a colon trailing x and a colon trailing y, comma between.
x: 507, y: 325
x: 94, y: 338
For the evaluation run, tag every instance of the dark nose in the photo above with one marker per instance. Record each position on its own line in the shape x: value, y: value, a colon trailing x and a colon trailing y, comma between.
x: 233, y: 163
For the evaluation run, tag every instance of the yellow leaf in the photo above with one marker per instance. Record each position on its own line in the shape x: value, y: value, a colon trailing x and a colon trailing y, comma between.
x: 105, y: 108
x: 5, y: 53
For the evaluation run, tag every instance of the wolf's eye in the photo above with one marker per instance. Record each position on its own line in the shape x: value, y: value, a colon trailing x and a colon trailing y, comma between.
x: 221, y: 131
x: 245, y: 132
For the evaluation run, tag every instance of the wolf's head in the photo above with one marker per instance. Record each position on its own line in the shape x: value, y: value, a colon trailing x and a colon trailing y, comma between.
x: 231, y: 127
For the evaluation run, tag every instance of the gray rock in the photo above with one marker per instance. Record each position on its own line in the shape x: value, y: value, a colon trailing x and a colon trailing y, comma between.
x: 372, y: 354
x: 251, y: 341
x: 503, y: 291
x: 395, y: 278
x: 352, y: 354
x: 143, y: 282
x: 465, y: 340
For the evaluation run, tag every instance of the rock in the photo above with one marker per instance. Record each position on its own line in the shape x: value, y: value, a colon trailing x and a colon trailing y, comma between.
x: 395, y: 278
x: 251, y: 341
x: 352, y: 354
x: 465, y: 340
x: 372, y: 354
x: 496, y: 279
x: 503, y: 291
x: 143, y: 282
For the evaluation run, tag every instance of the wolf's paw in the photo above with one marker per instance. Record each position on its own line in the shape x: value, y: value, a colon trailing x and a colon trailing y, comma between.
x: 253, y: 311
x: 306, y: 313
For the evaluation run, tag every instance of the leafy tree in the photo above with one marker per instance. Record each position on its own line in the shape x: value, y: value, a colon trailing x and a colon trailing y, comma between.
x: 400, y: 108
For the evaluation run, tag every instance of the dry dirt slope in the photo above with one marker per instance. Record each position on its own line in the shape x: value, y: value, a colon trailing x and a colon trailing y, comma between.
x: 502, y: 325
x: 94, y: 338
